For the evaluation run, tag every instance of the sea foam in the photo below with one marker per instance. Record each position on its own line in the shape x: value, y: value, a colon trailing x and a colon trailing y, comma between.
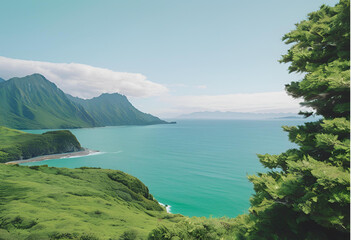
x: 168, y: 207
x: 89, y: 154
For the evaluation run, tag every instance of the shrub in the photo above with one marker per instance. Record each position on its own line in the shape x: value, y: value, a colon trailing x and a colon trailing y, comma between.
x: 129, y: 235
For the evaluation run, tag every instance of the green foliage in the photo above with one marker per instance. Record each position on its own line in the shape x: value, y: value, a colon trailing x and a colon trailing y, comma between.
x: 131, y: 234
x: 322, y: 50
x: 63, y: 236
x: 306, y: 193
x: 137, y: 186
x: 197, y: 228
x: 15, y: 145
x: 59, y: 203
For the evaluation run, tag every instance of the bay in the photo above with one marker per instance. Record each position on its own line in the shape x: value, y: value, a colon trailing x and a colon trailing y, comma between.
x: 198, y: 167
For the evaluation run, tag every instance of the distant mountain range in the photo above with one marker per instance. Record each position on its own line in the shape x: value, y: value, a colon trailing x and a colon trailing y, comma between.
x: 33, y: 102
x: 238, y: 115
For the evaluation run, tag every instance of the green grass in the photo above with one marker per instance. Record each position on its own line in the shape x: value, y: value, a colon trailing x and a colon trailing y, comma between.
x: 59, y: 203
x: 15, y: 145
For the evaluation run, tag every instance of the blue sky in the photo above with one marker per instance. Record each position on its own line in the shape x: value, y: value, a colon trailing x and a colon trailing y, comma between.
x: 202, y: 52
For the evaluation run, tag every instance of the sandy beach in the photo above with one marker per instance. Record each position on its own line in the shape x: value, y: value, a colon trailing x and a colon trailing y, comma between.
x: 84, y: 152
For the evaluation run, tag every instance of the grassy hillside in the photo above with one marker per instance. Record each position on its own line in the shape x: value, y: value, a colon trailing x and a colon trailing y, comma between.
x: 15, y: 145
x: 58, y: 203
x: 33, y: 102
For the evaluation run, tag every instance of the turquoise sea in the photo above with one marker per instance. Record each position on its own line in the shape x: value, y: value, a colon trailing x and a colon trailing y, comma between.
x: 198, y: 167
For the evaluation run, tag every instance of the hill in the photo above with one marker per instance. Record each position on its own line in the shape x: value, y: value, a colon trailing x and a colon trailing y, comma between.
x: 90, y: 204
x: 15, y: 145
x: 33, y: 102
x: 115, y: 109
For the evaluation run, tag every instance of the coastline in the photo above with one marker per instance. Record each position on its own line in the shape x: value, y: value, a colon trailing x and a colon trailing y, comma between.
x: 82, y: 153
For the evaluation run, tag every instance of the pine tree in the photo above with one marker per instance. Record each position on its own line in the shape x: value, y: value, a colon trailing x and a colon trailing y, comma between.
x: 306, y: 192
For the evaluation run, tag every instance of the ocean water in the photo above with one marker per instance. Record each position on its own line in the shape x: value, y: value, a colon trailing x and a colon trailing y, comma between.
x: 198, y: 167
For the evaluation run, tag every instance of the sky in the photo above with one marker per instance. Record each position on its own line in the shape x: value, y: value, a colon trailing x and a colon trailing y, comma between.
x: 168, y: 57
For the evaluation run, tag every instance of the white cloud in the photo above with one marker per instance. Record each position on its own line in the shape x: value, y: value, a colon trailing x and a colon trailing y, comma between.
x: 246, y: 102
x: 266, y: 102
x: 83, y: 80
x: 182, y: 85
x: 177, y: 85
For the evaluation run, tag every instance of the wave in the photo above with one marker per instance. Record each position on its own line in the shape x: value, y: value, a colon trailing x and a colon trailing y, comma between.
x: 168, y: 207
x: 87, y: 155
x: 117, y: 152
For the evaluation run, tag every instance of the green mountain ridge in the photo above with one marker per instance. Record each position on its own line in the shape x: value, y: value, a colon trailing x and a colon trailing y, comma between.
x: 33, y: 102
x: 115, y: 109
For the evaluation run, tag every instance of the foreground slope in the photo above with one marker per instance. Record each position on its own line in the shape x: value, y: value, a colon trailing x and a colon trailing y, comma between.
x: 115, y: 109
x: 33, y: 102
x: 59, y: 203
x: 15, y: 145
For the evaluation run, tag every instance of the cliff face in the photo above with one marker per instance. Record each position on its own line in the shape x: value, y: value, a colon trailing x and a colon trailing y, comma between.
x: 15, y: 145
x: 52, y: 142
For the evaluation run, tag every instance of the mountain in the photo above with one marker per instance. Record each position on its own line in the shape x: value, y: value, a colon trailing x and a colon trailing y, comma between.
x: 33, y: 102
x: 2, y: 80
x: 115, y: 109
x: 16, y: 145
x: 237, y: 115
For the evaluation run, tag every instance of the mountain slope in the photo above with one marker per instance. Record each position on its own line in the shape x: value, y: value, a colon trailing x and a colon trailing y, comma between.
x: 15, y: 144
x: 115, y: 109
x: 2, y: 80
x: 33, y: 102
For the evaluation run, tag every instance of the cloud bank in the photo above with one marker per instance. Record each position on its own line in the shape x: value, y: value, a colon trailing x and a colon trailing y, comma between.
x: 266, y: 102
x: 248, y: 102
x: 82, y: 80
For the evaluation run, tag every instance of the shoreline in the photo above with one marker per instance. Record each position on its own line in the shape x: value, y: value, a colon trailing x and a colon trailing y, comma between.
x: 82, y: 153
x: 166, y: 206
